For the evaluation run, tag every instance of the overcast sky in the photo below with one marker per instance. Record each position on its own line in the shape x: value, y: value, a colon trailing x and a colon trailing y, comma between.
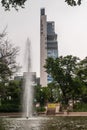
x: 70, y: 25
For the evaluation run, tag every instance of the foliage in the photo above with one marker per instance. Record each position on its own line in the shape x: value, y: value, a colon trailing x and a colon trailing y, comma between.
x: 10, y: 107
x: 8, y: 4
x: 10, y: 91
x: 69, y: 81
x: 65, y: 71
x: 41, y: 95
x: 73, y: 2
x: 14, y: 90
x: 54, y: 93
x: 80, y: 107
x: 82, y: 72
x: 8, y: 55
x: 40, y: 109
x: 10, y: 96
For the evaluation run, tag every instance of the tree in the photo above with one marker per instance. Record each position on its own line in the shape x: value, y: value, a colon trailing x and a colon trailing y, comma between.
x: 54, y: 92
x: 63, y: 70
x: 10, y: 96
x: 8, y: 54
x: 82, y: 74
x: 8, y: 66
x: 73, y: 2
x: 41, y: 94
x: 7, y: 4
x: 14, y: 90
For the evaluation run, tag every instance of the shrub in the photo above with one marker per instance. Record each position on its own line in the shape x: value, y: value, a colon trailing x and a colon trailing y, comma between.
x: 9, y: 108
x: 40, y: 109
x: 80, y: 107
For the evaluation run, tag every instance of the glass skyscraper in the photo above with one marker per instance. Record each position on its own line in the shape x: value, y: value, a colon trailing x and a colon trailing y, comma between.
x: 48, y: 46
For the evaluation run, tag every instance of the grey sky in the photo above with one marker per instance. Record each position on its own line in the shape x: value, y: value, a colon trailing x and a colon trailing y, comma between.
x: 70, y: 25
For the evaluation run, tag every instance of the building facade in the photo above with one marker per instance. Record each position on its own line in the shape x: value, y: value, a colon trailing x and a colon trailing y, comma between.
x: 32, y: 76
x: 48, y: 46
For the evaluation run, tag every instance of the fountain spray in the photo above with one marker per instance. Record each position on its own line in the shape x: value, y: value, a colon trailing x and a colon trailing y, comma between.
x: 28, y: 92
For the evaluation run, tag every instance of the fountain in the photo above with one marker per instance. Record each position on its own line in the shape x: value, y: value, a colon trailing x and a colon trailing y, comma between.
x: 28, y: 92
x: 38, y: 123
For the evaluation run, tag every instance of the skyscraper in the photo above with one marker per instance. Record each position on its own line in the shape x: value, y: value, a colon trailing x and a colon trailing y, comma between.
x: 48, y: 46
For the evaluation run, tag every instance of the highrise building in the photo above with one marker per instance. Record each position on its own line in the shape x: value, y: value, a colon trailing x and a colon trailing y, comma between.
x: 48, y: 46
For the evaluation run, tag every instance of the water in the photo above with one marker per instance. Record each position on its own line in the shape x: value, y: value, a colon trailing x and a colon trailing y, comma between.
x: 28, y: 92
x: 45, y: 123
x: 39, y: 123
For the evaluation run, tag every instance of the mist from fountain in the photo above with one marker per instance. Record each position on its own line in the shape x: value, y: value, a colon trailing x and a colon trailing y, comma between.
x: 27, y: 86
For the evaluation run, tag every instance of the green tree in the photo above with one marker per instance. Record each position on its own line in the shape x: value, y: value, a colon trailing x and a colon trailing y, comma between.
x: 54, y: 92
x: 82, y: 74
x: 51, y: 93
x: 42, y: 94
x: 14, y: 90
x: 10, y: 96
x: 63, y: 70
x: 8, y: 66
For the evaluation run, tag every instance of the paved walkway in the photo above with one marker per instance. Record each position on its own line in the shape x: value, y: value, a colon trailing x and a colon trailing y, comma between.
x: 11, y: 114
x: 58, y: 114
x: 75, y: 114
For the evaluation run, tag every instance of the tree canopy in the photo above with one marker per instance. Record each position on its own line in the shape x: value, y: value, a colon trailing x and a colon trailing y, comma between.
x: 73, y: 2
x: 9, y: 90
x: 69, y: 73
x: 8, y: 4
x: 8, y: 54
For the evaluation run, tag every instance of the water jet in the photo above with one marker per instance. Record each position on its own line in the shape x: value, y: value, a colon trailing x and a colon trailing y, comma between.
x: 27, y: 86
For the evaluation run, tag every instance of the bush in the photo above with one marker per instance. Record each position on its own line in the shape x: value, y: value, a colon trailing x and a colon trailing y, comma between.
x: 80, y: 107
x: 9, y: 108
x: 40, y: 109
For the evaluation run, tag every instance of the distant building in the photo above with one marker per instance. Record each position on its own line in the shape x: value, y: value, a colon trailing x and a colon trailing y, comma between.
x: 38, y: 80
x: 32, y: 76
x: 18, y: 78
x: 48, y: 46
x: 35, y: 80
